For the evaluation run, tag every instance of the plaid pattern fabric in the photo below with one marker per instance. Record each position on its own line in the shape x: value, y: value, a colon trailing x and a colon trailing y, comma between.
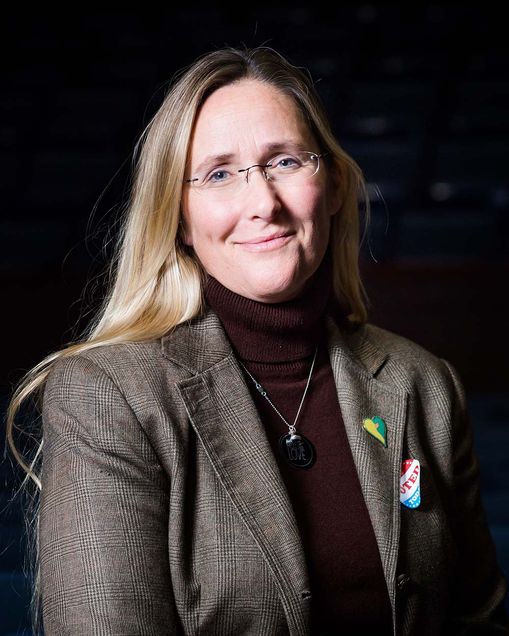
x: 163, y: 510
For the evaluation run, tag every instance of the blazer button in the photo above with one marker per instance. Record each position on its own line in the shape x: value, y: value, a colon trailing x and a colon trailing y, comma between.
x: 403, y: 581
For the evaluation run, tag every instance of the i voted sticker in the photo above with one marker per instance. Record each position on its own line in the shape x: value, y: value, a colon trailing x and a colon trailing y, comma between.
x: 410, y: 483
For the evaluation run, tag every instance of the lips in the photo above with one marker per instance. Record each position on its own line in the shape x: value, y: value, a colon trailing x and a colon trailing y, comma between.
x: 267, y: 243
x: 265, y: 239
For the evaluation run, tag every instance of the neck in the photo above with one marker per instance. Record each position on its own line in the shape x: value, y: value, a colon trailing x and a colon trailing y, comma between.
x: 274, y: 332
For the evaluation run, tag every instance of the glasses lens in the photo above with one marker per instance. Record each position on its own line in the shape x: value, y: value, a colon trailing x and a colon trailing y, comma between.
x: 288, y: 167
x: 294, y: 167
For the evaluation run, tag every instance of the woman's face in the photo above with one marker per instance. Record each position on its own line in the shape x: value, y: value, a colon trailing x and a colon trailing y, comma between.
x: 266, y: 242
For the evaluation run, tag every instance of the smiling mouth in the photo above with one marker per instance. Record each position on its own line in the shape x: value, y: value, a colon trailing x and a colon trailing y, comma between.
x: 267, y: 242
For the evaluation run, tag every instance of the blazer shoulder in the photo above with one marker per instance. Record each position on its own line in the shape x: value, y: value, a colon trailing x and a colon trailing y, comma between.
x: 407, y: 358
x: 106, y: 357
x: 131, y: 367
x: 397, y: 345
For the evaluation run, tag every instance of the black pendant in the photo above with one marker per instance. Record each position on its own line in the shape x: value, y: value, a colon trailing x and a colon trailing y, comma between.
x: 298, y: 451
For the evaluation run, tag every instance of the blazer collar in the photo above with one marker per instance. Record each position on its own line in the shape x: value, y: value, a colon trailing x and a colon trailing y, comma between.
x: 222, y: 413
x: 197, y: 344
x: 201, y: 343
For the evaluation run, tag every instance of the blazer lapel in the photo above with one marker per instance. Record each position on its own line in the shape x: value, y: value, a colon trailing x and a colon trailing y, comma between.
x: 227, y: 424
x: 355, y: 360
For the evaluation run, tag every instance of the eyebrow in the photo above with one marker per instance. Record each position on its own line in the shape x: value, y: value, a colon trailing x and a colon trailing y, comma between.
x: 213, y: 160
x: 226, y: 157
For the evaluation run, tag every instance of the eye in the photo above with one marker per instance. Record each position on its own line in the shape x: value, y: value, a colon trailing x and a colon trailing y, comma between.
x: 218, y: 176
x: 285, y: 162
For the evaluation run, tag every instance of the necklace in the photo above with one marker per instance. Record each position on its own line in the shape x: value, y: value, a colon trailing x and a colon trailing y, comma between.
x: 297, y: 449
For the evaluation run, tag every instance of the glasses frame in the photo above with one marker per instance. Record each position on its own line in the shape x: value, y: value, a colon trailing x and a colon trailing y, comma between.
x: 264, y: 167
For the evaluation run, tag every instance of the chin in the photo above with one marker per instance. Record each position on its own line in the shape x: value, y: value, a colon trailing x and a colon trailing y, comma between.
x: 275, y: 292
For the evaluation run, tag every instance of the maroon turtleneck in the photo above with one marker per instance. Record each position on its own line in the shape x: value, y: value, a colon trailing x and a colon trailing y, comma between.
x: 276, y: 343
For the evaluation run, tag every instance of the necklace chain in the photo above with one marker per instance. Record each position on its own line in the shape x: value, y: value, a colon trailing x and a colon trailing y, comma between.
x: 263, y: 392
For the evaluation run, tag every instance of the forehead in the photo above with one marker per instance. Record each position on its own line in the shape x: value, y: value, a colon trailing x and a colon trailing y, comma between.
x: 244, y: 117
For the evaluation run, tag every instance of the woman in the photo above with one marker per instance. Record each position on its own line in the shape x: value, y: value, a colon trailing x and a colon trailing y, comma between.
x: 233, y: 449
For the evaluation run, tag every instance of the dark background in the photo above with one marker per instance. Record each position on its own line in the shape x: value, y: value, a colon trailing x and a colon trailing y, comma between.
x: 417, y: 95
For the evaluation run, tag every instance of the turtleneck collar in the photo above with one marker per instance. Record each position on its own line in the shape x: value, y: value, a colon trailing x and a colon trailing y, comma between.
x: 274, y: 332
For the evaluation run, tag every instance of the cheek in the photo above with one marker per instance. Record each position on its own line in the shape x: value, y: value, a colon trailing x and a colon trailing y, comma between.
x: 314, y: 208
x: 186, y: 221
x: 319, y: 221
x: 301, y: 205
x: 206, y: 223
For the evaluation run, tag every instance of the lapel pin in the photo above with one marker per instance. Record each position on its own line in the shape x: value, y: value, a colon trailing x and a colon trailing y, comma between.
x: 376, y: 427
x: 410, y: 483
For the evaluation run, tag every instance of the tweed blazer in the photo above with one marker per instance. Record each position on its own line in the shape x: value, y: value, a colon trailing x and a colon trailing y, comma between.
x: 163, y: 510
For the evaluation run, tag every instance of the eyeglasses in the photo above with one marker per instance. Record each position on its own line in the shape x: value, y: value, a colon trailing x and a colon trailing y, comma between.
x: 290, y: 168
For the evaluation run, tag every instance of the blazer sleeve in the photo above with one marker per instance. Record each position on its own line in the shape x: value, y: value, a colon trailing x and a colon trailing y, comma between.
x: 103, y: 539
x: 480, y: 586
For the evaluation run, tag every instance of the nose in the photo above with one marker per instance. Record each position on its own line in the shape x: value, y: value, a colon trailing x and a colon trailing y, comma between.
x: 261, y: 199
x: 263, y: 169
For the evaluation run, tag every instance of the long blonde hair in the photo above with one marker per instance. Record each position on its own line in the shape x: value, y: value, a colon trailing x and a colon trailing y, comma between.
x: 155, y: 281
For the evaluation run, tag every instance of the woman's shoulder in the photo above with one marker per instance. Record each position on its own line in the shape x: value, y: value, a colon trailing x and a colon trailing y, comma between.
x: 105, y: 356
x: 148, y: 364
x: 402, y: 358
x: 398, y: 345
x: 130, y: 367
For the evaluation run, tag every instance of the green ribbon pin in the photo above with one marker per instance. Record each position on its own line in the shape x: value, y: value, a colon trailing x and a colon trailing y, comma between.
x: 376, y: 427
